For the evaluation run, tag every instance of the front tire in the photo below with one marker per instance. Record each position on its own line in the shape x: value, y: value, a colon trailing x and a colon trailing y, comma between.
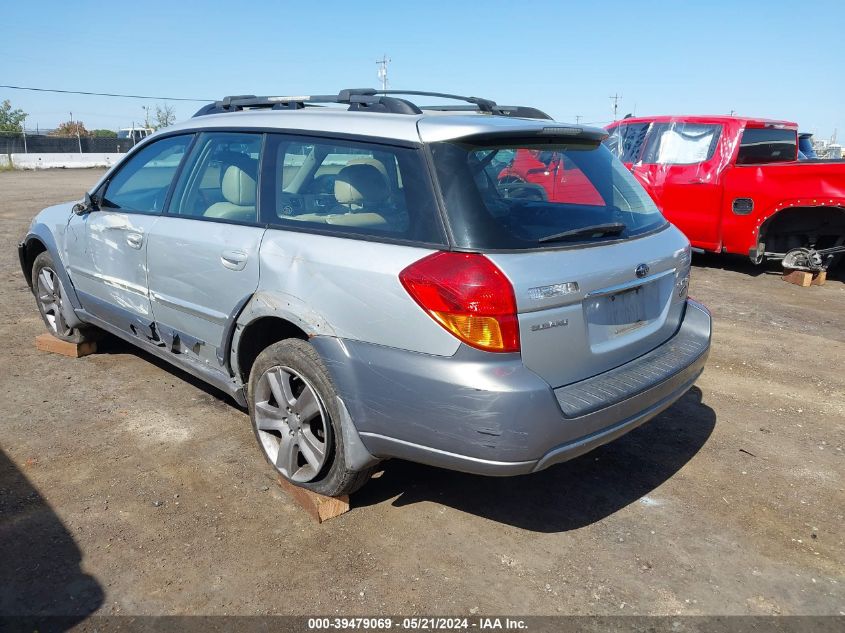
x: 51, y: 299
x: 295, y: 416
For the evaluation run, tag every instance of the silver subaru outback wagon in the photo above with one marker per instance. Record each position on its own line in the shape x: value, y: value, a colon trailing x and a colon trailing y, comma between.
x: 474, y: 287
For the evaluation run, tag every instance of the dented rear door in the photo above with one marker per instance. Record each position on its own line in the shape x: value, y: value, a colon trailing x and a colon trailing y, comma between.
x: 203, y: 252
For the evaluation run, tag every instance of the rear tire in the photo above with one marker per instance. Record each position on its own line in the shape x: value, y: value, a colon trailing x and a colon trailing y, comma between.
x: 52, y: 301
x: 295, y: 416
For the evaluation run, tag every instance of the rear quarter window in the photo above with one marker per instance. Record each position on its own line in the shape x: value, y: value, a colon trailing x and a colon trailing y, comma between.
x: 767, y: 145
x: 351, y: 188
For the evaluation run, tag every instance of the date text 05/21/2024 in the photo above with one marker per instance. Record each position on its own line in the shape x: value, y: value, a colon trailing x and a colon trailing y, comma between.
x: 417, y: 623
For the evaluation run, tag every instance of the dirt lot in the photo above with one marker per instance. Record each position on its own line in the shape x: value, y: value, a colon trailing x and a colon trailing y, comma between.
x: 128, y: 487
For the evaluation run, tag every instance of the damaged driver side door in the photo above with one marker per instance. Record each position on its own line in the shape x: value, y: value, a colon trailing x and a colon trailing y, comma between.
x: 106, y: 246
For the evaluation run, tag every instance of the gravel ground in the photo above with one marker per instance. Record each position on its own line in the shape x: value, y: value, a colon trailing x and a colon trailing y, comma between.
x: 128, y: 487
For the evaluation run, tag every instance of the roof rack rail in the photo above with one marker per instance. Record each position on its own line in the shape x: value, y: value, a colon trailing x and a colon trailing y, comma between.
x: 359, y: 99
x: 517, y: 112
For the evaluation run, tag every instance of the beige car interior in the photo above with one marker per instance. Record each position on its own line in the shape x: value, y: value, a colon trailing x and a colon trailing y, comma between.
x: 238, y: 189
x: 361, y: 190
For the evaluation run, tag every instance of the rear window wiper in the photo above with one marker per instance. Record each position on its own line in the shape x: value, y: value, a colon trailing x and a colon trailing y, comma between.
x: 595, y: 230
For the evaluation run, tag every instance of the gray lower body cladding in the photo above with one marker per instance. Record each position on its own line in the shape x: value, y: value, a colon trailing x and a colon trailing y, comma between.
x: 483, y: 413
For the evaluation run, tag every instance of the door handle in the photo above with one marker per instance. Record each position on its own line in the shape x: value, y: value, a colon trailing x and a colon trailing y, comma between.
x: 233, y: 260
x: 135, y: 240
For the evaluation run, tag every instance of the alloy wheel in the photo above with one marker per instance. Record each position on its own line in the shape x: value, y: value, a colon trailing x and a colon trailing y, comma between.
x: 51, y: 301
x: 292, y: 424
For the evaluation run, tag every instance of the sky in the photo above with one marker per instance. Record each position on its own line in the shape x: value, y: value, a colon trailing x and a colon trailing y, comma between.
x: 772, y: 58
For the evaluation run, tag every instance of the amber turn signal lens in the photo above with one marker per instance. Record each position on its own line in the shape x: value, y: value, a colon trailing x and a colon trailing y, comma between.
x: 482, y: 332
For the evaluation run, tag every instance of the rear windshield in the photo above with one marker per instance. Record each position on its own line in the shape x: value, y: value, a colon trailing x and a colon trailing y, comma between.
x: 527, y: 195
x: 767, y: 145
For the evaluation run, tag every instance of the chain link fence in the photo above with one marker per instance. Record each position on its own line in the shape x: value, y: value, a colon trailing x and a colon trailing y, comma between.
x: 11, y: 143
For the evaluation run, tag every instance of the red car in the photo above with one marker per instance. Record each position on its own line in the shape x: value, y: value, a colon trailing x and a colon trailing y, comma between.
x: 554, y: 176
x: 735, y: 185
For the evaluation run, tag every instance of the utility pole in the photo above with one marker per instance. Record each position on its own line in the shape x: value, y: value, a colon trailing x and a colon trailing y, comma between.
x: 382, y: 70
x: 78, y: 140
x: 578, y: 118
x: 23, y: 127
x: 615, y: 98
x: 733, y: 112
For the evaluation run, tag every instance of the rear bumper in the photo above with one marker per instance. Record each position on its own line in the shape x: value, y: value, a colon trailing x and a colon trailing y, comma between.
x: 485, y: 414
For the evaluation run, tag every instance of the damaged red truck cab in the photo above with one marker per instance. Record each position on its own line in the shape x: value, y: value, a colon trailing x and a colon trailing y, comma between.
x: 735, y: 185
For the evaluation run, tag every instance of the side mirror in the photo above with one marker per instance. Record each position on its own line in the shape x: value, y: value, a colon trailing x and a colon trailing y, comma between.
x: 90, y: 203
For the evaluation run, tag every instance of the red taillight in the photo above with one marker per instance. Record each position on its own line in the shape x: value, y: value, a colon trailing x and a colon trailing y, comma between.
x: 469, y: 296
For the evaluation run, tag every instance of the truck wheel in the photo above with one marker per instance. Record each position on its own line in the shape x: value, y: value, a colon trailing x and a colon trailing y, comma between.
x: 295, y: 417
x: 51, y: 299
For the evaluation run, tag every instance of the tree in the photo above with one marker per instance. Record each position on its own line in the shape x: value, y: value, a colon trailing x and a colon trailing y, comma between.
x: 11, y: 120
x: 165, y: 116
x: 104, y: 133
x: 71, y: 128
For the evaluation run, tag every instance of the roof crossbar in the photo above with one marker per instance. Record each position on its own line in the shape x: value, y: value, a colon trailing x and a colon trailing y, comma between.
x: 485, y: 105
x: 359, y: 99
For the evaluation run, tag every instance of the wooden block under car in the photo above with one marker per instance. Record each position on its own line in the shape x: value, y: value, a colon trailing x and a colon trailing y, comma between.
x: 49, y: 343
x: 320, y: 507
x: 804, y: 278
x: 820, y: 278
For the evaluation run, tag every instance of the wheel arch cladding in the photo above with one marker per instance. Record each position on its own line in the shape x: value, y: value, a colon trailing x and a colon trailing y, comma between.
x: 38, y: 240
x: 269, y: 317
x: 255, y: 336
x: 32, y: 248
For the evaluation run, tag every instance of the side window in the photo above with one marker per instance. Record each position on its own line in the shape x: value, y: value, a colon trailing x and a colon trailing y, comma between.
x: 767, y: 145
x: 682, y: 143
x: 626, y: 141
x: 350, y: 187
x: 220, y: 178
x: 142, y: 183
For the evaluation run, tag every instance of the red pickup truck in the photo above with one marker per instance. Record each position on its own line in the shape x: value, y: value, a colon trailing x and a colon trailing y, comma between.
x: 735, y: 185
